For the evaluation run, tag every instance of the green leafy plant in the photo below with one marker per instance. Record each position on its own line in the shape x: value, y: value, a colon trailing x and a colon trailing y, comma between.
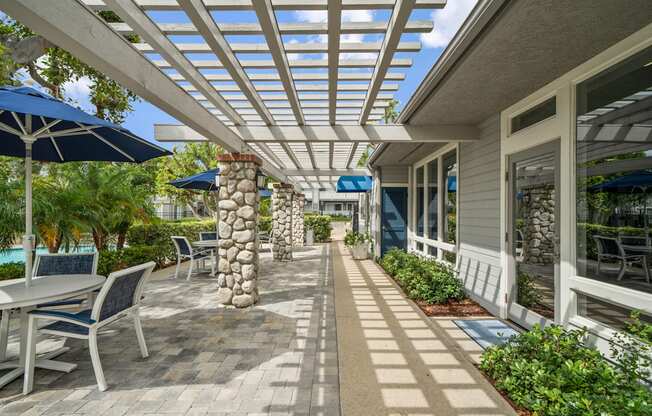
x: 638, y: 328
x: 527, y: 294
x: 550, y: 372
x: 321, y: 225
x: 265, y: 224
x: 353, y: 238
x: 114, y: 260
x: 14, y: 270
x: 423, y: 279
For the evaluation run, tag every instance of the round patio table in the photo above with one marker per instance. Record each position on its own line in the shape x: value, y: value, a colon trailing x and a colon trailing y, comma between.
x: 15, y: 295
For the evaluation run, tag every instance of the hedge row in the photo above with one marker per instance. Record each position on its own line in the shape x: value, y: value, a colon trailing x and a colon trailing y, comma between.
x: 108, y: 262
x: 159, y: 235
x: 321, y: 224
x: 423, y: 279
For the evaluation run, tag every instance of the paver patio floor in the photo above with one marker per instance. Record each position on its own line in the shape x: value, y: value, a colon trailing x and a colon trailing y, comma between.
x: 277, y: 358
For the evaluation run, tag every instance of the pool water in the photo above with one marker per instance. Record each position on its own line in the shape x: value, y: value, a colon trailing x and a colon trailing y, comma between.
x: 18, y: 254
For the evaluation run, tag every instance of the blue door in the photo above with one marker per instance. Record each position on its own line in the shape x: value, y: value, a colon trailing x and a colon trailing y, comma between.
x: 393, y: 219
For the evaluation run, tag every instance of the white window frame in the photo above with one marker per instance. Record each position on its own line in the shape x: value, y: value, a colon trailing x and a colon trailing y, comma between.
x: 562, y: 126
x: 427, y: 242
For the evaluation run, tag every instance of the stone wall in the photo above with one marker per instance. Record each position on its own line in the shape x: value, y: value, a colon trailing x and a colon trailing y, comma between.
x: 539, y: 225
x: 297, y: 219
x: 282, y: 222
x: 238, y: 201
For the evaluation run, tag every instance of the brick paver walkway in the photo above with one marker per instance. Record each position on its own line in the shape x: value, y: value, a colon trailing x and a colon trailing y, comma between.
x: 277, y: 358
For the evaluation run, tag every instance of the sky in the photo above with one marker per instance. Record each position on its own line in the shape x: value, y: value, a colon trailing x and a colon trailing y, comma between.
x: 446, y: 22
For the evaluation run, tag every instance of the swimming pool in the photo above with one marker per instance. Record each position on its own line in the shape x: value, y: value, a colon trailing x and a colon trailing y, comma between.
x: 17, y: 254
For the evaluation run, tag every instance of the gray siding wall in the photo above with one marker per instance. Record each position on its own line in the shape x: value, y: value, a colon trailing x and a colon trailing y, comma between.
x: 479, y: 216
x: 395, y: 174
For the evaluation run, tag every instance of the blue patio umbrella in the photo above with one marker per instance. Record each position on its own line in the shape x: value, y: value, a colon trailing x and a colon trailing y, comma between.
x: 36, y: 126
x: 350, y: 184
x: 206, y: 181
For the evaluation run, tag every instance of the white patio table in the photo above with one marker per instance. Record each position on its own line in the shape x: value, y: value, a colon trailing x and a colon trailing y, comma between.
x: 211, y: 244
x: 14, y: 295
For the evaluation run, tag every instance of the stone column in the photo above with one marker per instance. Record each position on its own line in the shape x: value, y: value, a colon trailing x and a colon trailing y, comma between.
x: 539, y: 225
x: 238, y: 246
x: 297, y: 219
x: 282, y: 222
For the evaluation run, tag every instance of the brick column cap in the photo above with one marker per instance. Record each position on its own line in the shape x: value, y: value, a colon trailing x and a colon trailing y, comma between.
x: 239, y: 157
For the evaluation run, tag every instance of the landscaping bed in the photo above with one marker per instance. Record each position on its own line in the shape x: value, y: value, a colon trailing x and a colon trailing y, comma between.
x: 464, y: 307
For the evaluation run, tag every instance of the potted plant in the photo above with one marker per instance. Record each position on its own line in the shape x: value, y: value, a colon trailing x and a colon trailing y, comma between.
x: 358, y: 243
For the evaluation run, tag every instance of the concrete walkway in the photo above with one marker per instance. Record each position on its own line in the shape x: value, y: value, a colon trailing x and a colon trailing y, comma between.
x: 393, y: 359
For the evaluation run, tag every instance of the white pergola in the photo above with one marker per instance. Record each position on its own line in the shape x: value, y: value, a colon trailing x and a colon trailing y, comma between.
x: 308, y: 109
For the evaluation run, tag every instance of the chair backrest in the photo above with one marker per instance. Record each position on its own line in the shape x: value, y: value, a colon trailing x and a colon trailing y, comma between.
x: 182, y: 244
x: 66, y: 263
x: 208, y: 235
x: 634, y: 240
x: 121, y: 291
x: 608, y: 245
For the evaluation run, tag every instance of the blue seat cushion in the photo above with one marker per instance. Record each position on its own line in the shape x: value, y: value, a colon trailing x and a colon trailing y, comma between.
x: 62, y: 326
x: 69, y: 302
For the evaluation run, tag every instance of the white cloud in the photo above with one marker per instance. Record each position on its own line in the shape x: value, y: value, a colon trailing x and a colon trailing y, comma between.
x: 78, y: 92
x: 447, y: 21
x: 312, y: 16
x: 357, y: 16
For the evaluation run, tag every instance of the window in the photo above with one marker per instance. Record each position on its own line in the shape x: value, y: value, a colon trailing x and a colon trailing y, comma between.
x: 432, y: 200
x: 614, y: 179
x: 450, y: 201
x: 534, y: 115
x: 338, y: 207
x: 606, y: 313
x: 420, y: 201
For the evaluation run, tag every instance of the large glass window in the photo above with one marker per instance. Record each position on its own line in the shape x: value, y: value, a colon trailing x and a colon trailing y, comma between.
x: 420, y: 201
x: 432, y: 199
x: 614, y: 176
x: 449, y: 162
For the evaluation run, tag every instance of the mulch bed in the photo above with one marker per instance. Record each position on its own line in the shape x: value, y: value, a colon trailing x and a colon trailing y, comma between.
x: 465, y: 307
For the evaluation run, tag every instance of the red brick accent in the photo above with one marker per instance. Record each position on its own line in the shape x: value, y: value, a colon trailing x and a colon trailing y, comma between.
x: 239, y: 157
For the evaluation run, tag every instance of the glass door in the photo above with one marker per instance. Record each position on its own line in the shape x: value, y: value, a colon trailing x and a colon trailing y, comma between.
x: 533, y: 235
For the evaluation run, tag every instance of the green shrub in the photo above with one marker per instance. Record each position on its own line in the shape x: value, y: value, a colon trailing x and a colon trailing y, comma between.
x: 159, y: 234
x: 265, y: 224
x: 14, y: 270
x: 353, y: 238
x: 423, y: 279
x: 527, y: 294
x: 550, y: 372
x: 321, y: 225
x: 589, y: 230
x: 339, y: 218
x: 114, y: 260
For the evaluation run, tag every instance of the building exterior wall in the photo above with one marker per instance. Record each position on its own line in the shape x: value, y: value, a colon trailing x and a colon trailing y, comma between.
x: 479, y: 258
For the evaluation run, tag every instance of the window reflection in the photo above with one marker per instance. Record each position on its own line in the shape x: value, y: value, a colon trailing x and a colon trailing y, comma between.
x: 432, y: 199
x: 450, y: 201
x: 614, y: 174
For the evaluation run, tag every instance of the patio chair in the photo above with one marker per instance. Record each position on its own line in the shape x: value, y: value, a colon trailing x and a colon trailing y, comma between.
x: 65, y: 264
x: 48, y: 265
x: 263, y: 237
x: 119, y: 296
x: 610, y: 248
x: 208, y: 235
x: 185, y: 251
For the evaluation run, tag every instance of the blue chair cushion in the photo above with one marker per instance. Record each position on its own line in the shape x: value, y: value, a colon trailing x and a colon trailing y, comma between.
x: 83, y: 317
x: 69, y: 302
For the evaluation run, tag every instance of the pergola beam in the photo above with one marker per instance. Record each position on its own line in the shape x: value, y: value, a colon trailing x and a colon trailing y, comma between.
x: 293, y: 63
x: 208, y: 29
x: 146, y: 28
x: 334, y: 25
x: 326, y: 134
x: 397, y: 24
x: 302, y: 28
x: 233, y: 5
x: 327, y: 172
x: 303, y: 47
x: 342, y: 76
x: 267, y: 19
x: 114, y: 56
x: 302, y: 87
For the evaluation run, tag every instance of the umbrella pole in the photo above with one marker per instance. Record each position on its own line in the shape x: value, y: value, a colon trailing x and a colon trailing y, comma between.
x: 28, y: 238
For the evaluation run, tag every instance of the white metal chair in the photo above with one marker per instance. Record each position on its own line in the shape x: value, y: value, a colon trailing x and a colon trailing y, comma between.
x: 120, y: 296
x: 185, y: 251
x: 610, y: 248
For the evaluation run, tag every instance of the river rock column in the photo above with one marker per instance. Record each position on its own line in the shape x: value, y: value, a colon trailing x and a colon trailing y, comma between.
x: 238, y: 246
x: 282, y: 222
x: 297, y: 219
